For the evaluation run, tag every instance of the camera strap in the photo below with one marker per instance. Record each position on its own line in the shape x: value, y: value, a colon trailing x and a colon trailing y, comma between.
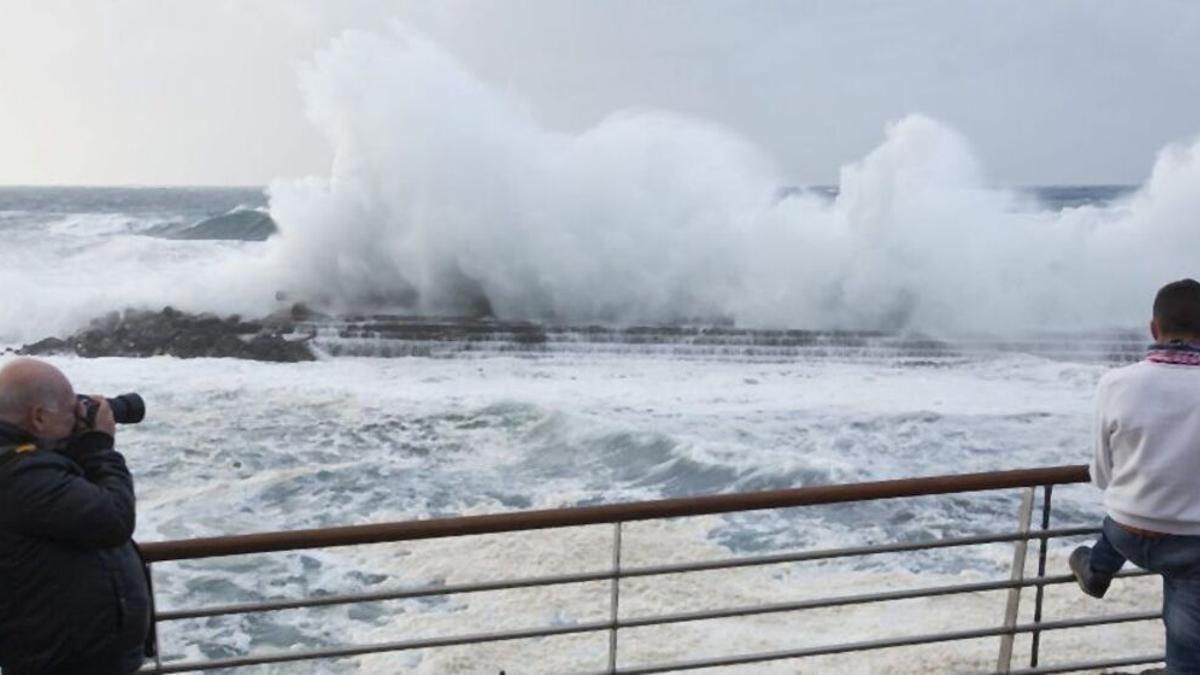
x: 12, y: 452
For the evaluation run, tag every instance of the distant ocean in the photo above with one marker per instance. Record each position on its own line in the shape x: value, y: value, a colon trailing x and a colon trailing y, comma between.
x: 147, y: 207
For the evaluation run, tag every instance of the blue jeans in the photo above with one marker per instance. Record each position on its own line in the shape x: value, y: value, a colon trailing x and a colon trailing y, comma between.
x: 1177, y: 559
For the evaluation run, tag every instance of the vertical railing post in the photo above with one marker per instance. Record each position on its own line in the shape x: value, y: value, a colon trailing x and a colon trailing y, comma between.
x: 1041, y: 588
x: 153, y: 637
x: 1013, y: 605
x: 615, y: 605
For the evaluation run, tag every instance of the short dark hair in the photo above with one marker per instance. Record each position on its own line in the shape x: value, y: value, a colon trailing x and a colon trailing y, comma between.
x: 1177, y: 307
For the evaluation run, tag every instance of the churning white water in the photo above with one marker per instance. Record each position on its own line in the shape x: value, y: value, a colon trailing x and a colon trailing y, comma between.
x: 233, y: 447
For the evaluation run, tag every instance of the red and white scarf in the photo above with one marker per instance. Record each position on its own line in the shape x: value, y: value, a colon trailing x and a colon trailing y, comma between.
x: 1174, y: 353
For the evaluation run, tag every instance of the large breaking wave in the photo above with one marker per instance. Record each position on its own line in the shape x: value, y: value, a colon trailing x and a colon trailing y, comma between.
x: 446, y: 196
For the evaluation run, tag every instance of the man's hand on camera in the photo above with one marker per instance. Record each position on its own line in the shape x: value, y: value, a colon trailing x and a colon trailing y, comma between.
x: 104, y: 416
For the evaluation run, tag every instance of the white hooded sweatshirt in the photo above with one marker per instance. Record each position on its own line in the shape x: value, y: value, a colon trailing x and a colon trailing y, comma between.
x: 1147, y: 450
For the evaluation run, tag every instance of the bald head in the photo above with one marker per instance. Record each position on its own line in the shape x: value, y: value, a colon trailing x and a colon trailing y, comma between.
x: 34, y: 395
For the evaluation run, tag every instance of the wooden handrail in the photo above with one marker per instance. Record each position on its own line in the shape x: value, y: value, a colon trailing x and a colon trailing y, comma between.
x: 266, y: 542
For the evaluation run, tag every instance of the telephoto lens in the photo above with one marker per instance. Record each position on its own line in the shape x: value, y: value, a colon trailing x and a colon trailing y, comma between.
x: 128, y: 408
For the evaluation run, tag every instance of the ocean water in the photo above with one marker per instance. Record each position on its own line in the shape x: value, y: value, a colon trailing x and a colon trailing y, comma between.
x: 446, y: 198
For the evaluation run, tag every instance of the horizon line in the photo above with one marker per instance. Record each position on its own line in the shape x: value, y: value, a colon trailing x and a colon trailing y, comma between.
x: 249, y: 186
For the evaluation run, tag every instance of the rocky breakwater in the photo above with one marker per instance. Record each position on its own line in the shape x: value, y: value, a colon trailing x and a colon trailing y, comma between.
x: 171, y: 332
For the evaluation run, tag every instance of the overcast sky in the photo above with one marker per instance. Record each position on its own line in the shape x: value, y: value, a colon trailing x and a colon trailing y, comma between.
x: 185, y: 92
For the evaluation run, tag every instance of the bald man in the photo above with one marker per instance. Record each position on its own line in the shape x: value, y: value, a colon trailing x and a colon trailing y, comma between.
x: 73, y: 592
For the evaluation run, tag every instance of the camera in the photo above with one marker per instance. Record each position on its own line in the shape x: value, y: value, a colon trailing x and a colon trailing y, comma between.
x: 126, y: 409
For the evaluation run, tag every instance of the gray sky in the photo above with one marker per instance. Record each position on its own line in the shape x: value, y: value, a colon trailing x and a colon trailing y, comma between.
x: 183, y: 92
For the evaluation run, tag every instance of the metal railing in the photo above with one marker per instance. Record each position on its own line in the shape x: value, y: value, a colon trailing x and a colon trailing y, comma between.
x: 618, y: 514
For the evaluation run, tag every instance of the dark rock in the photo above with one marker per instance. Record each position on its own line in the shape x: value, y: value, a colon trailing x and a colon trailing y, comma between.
x: 175, y: 333
x: 47, y: 346
x: 275, y: 348
x: 302, y: 312
x: 284, y: 321
x: 532, y: 335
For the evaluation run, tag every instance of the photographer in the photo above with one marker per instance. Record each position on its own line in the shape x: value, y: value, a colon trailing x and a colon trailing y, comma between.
x: 73, y: 593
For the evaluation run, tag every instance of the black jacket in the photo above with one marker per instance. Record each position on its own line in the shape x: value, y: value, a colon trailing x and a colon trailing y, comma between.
x: 72, y: 585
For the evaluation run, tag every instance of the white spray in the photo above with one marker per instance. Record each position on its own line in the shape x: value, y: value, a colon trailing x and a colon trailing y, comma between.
x: 446, y: 196
x: 445, y: 191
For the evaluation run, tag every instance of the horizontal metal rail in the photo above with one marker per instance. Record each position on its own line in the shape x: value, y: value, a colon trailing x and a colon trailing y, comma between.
x: 1077, y: 666
x: 629, y: 572
x: 888, y: 643
x: 594, y: 626
x: 844, y: 601
x: 606, y: 514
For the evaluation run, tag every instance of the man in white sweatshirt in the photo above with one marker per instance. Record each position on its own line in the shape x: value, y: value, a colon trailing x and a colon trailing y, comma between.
x: 1147, y: 461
